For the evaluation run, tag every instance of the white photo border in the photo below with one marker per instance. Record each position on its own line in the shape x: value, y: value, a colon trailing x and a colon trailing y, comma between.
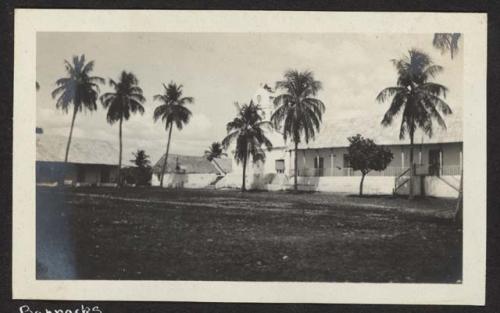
x: 30, y: 21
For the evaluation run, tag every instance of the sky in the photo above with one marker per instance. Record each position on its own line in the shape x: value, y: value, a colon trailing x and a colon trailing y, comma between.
x: 218, y: 69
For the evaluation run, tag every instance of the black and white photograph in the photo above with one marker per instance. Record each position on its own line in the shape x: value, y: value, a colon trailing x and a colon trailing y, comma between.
x: 221, y: 156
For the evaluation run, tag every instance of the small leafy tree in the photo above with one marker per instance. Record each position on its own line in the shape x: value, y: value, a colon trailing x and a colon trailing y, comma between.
x: 365, y: 156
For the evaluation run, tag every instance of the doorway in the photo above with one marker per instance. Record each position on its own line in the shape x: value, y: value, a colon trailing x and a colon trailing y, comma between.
x: 434, y: 162
x: 105, y: 175
x: 319, y: 166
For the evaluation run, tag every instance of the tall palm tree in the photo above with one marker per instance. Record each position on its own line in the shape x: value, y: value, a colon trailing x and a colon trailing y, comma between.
x: 127, y: 98
x: 215, y: 151
x: 298, y: 114
x: 247, y: 129
x: 417, y: 98
x: 172, y: 111
x: 78, y: 89
x: 446, y: 42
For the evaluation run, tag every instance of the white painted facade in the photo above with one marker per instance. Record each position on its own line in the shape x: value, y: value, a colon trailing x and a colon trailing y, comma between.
x: 326, y: 169
x: 185, y: 180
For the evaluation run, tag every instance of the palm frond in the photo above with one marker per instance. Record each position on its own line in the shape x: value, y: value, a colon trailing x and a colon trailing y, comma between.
x: 389, y: 92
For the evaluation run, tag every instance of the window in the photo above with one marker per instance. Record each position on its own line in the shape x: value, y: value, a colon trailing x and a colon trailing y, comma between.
x: 318, y: 165
x: 280, y: 166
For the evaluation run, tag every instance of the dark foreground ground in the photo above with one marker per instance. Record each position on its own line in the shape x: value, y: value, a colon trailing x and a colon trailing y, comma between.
x: 153, y: 234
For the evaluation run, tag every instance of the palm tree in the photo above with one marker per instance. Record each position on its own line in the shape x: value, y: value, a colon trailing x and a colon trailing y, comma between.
x: 446, y: 42
x: 127, y: 98
x: 247, y: 129
x: 215, y: 151
x: 172, y: 111
x: 78, y: 89
x: 298, y: 113
x: 141, y: 159
x: 418, y: 98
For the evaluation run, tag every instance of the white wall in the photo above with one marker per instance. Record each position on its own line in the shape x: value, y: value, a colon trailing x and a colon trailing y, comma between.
x: 349, y: 184
x: 373, y: 185
x: 177, y: 180
x: 262, y: 168
x: 234, y: 180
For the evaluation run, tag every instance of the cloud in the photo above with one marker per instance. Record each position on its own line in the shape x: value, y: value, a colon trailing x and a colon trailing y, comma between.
x: 198, y: 125
x: 309, y: 50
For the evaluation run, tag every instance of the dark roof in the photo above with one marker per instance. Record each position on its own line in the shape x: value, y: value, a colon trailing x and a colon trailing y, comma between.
x: 51, y: 148
x: 191, y: 164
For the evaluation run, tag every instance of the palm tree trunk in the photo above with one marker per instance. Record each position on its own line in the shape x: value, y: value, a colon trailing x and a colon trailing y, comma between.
x: 120, y: 155
x: 219, y: 168
x: 296, y: 167
x: 64, y: 169
x: 243, y: 183
x: 166, y: 156
x: 411, y: 167
x: 70, y: 136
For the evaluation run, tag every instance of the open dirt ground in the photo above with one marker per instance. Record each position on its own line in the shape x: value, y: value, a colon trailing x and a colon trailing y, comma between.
x: 155, y: 234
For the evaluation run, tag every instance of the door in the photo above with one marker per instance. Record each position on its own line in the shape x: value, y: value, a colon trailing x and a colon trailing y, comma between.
x: 80, y: 177
x: 319, y: 166
x: 434, y: 162
x: 105, y: 173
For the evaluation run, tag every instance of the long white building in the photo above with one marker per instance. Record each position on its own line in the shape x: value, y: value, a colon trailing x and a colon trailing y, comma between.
x: 323, y: 164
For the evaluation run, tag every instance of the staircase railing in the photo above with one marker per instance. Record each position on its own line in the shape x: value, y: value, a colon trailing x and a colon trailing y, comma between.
x: 449, y: 184
x: 397, y: 183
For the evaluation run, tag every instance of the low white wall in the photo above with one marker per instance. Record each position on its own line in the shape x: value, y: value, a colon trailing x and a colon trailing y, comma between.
x: 253, y: 181
x: 373, y: 185
x: 434, y: 186
x: 349, y: 184
x: 177, y: 180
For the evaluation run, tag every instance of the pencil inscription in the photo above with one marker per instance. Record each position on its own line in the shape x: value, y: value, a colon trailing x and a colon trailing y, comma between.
x: 81, y: 309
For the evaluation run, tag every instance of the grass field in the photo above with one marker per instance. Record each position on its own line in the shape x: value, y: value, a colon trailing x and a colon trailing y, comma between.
x: 154, y: 234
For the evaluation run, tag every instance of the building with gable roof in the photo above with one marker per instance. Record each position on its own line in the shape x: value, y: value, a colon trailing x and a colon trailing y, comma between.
x: 323, y: 163
x: 90, y: 162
